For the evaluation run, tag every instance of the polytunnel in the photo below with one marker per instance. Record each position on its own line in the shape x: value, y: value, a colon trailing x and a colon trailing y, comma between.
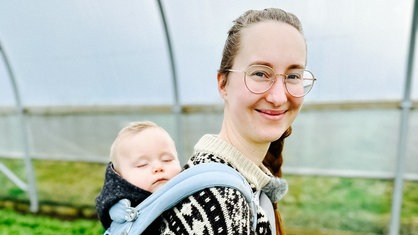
x: 73, y: 73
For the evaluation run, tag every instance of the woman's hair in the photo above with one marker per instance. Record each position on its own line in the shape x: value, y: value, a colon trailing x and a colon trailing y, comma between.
x: 274, y: 157
x: 233, y: 41
x: 132, y: 128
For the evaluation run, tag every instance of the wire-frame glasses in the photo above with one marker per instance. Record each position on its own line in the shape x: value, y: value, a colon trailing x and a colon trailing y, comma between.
x: 260, y: 78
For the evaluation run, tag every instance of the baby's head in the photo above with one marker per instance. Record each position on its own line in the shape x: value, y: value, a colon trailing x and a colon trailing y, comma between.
x: 145, y: 155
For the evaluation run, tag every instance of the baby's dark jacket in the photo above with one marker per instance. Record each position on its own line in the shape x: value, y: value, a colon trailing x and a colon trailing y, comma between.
x: 116, y: 188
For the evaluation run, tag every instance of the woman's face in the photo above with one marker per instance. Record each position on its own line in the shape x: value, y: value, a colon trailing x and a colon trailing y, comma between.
x: 262, y: 118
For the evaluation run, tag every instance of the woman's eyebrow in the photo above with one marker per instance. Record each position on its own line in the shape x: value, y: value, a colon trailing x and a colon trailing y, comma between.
x: 259, y: 62
x: 296, y: 66
x: 265, y: 63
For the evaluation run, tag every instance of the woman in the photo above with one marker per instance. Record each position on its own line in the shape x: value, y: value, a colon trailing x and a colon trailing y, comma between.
x: 262, y: 80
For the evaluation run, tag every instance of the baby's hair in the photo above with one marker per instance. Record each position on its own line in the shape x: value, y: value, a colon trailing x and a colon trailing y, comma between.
x: 131, y: 128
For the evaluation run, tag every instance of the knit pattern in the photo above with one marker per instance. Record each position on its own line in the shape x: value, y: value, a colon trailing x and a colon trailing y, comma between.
x: 210, y: 211
x: 215, y: 210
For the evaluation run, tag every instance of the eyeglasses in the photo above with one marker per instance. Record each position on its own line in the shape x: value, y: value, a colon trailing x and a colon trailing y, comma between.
x: 260, y: 78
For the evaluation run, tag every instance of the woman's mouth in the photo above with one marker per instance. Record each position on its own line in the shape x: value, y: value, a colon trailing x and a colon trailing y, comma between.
x: 271, y: 112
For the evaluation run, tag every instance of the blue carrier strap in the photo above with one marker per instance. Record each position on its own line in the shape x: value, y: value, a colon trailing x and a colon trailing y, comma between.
x: 133, y: 221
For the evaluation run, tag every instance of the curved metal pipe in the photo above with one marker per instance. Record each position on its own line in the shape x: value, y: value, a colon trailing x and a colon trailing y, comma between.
x: 31, y: 188
x: 177, y: 106
x: 406, y: 106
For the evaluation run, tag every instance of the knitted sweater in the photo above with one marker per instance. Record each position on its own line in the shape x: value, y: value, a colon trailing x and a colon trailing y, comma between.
x: 218, y: 210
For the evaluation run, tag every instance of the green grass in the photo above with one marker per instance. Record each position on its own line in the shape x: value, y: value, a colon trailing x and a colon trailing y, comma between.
x: 359, y: 206
x: 337, y: 203
x: 75, y: 183
x: 15, y: 223
x: 347, y: 204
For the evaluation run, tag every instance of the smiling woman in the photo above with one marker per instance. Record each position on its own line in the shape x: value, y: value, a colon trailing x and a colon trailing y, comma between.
x: 258, y: 111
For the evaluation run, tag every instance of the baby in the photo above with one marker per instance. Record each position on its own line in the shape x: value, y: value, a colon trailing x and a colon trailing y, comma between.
x: 143, y: 157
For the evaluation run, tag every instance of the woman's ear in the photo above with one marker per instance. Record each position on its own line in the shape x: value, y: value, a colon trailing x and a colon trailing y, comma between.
x: 222, y: 84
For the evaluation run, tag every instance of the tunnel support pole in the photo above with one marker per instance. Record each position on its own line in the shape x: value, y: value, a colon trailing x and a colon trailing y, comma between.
x: 24, y: 139
x: 406, y: 106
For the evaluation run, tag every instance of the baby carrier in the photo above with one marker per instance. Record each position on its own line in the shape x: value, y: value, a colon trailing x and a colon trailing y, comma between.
x: 129, y: 220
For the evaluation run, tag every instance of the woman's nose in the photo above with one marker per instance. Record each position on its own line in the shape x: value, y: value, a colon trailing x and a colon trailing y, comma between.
x: 277, y: 93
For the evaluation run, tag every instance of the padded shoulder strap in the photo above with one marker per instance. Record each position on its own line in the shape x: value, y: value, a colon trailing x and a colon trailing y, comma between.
x: 128, y: 220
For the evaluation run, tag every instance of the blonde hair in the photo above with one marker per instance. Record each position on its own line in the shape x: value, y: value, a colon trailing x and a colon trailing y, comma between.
x: 131, y: 128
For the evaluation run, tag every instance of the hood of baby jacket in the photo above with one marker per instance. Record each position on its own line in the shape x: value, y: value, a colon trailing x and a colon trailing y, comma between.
x: 114, y: 189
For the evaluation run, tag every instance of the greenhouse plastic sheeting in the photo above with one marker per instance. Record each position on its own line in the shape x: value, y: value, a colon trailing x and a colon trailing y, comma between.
x: 109, y: 53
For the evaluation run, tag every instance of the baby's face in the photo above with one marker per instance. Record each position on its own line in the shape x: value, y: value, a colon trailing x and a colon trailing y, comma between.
x: 148, y: 159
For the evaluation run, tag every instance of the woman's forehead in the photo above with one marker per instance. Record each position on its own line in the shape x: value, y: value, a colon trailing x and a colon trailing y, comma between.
x: 273, y: 43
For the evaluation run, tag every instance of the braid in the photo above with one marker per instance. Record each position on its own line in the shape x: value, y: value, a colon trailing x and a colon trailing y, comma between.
x: 274, y: 157
x: 273, y: 161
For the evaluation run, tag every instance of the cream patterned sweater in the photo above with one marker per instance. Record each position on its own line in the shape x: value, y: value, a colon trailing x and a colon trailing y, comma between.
x: 218, y: 210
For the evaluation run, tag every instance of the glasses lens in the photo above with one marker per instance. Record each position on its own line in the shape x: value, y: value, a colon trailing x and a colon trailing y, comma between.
x: 299, y: 82
x: 259, y: 79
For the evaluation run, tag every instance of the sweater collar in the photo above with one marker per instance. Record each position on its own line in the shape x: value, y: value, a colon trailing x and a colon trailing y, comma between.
x: 258, y: 176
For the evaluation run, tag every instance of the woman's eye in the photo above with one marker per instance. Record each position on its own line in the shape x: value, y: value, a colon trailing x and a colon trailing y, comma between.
x: 293, y: 76
x: 260, y: 75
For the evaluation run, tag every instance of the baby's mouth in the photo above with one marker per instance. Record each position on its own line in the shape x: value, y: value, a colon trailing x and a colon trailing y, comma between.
x: 160, y: 180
